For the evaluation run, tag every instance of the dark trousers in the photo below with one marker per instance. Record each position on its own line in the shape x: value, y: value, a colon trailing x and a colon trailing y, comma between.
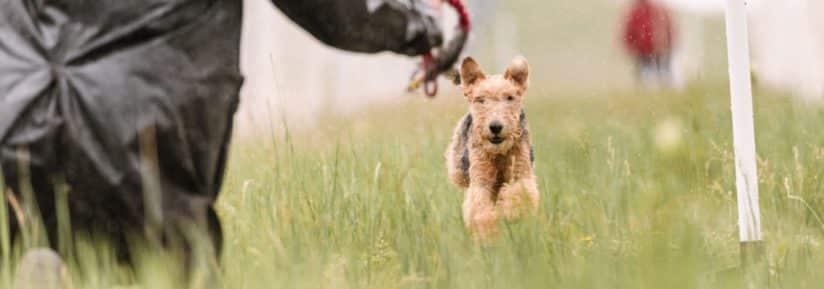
x: 656, y: 64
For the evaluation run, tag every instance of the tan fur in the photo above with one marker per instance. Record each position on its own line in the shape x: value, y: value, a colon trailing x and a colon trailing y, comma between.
x: 500, y: 179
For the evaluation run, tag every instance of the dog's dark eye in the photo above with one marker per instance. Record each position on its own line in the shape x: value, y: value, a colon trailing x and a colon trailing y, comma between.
x: 480, y: 100
x: 510, y: 98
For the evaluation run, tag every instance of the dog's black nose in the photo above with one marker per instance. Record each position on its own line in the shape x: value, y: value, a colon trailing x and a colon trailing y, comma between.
x: 496, y: 127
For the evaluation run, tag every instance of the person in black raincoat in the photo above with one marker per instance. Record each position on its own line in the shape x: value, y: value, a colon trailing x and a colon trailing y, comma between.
x: 127, y: 106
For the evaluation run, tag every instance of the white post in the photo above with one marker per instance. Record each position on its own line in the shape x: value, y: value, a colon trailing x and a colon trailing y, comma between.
x: 746, y: 177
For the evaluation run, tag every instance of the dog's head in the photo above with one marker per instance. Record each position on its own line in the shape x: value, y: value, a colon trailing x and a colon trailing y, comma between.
x: 495, y: 103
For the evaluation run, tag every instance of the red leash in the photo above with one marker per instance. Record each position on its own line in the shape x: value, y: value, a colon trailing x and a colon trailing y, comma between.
x: 463, y: 13
x: 430, y: 86
x: 429, y: 63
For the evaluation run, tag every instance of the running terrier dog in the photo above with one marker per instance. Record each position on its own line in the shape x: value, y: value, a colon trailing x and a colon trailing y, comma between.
x: 491, y: 154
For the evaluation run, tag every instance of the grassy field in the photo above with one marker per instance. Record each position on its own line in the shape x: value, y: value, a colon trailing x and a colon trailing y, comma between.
x: 637, y: 192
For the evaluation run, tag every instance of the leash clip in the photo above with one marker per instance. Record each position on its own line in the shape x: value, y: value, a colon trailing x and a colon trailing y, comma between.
x: 441, y: 62
x: 425, y: 76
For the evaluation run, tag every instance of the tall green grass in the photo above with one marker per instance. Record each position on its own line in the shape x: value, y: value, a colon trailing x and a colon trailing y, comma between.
x: 637, y: 192
x: 363, y: 202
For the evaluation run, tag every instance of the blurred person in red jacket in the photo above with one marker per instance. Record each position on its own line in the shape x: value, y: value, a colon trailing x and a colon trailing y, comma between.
x: 648, y: 36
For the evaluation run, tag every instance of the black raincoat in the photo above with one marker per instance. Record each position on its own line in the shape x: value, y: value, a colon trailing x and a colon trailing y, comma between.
x: 130, y: 103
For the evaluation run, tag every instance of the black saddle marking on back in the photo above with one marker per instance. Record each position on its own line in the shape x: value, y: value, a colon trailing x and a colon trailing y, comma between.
x: 526, y: 134
x: 467, y: 124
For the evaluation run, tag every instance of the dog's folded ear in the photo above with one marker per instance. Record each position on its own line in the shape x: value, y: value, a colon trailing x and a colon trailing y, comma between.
x: 471, y: 72
x: 518, y: 72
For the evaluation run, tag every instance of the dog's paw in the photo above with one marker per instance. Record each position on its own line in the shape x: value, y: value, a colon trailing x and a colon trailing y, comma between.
x: 516, y: 200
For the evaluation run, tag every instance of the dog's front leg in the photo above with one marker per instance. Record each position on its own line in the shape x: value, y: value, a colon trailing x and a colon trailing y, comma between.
x: 520, y: 193
x: 518, y: 197
x: 479, y: 212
